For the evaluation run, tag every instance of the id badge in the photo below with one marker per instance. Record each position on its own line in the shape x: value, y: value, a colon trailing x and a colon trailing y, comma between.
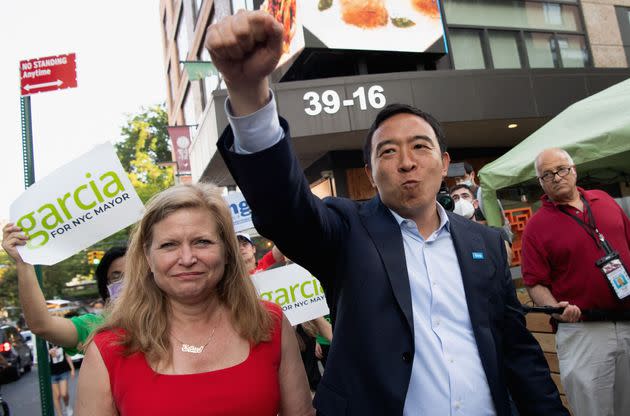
x: 617, y: 275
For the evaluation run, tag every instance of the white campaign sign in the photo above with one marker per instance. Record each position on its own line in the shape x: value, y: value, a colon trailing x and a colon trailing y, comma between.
x: 241, y: 214
x: 295, y: 289
x: 76, y: 206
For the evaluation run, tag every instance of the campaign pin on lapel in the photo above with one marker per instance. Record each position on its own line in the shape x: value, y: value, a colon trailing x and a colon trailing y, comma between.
x: 477, y: 255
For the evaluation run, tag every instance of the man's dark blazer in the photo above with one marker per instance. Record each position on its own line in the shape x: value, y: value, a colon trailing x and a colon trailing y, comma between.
x: 356, y: 251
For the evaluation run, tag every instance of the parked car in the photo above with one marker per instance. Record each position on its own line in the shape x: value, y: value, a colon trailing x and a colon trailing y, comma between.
x: 29, y: 338
x: 15, y: 351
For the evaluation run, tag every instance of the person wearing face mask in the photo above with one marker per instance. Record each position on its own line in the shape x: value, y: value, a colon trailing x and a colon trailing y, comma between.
x: 465, y: 203
x: 67, y: 333
x: 467, y: 206
x: 469, y: 179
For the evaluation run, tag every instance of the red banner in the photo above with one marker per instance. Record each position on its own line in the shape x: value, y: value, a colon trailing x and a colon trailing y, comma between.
x: 180, y: 137
x: 48, y: 74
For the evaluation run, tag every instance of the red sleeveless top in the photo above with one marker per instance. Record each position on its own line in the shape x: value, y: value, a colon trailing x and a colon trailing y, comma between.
x: 248, y: 388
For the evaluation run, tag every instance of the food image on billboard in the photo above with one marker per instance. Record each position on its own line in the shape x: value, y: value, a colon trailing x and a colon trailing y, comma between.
x: 286, y: 13
x: 388, y: 25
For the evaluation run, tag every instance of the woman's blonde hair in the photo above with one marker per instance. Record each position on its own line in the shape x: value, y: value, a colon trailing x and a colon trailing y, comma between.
x: 142, y: 310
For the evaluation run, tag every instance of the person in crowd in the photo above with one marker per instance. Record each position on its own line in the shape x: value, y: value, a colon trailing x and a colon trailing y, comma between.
x: 309, y: 333
x: 466, y: 205
x: 567, y: 261
x: 248, y: 251
x: 324, y: 338
x: 426, y: 319
x: 470, y: 180
x: 68, y: 333
x: 61, y: 369
x: 188, y: 334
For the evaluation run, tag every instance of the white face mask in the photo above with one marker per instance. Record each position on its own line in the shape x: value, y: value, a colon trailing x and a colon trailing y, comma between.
x: 464, y: 208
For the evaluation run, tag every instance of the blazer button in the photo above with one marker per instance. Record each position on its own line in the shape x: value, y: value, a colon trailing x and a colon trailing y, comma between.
x: 406, y: 356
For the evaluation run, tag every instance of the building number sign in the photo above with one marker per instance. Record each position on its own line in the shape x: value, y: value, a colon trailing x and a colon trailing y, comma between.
x: 330, y: 102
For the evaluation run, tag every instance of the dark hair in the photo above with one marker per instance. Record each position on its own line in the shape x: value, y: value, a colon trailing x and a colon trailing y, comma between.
x: 461, y: 186
x: 390, y: 111
x: 102, y: 268
x: 468, y: 168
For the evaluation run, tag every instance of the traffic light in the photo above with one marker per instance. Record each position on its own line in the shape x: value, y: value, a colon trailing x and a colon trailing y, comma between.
x: 94, y: 257
x: 98, y: 255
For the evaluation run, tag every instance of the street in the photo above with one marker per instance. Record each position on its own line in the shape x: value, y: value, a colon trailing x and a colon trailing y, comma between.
x: 23, y: 395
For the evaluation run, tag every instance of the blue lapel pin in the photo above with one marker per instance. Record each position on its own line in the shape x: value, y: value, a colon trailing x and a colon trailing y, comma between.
x: 477, y: 255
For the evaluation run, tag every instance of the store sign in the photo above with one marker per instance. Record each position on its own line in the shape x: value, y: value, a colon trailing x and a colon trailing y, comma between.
x: 293, y: 288
x: 48, y: 74
x: 331, y: 103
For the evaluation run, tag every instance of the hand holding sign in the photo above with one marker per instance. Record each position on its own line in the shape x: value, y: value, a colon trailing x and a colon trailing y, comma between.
x: 12, y: 237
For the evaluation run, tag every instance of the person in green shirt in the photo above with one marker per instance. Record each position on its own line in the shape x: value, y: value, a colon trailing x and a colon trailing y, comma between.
x: 68, y: 333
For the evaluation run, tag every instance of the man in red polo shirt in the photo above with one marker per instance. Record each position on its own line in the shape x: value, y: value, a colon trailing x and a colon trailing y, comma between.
x: 568, y: 246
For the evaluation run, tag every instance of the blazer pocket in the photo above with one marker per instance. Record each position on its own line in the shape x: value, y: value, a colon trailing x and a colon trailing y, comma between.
x: 328, y: 402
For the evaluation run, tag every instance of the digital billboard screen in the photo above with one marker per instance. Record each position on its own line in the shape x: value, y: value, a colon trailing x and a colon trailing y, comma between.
x: 380, y: 25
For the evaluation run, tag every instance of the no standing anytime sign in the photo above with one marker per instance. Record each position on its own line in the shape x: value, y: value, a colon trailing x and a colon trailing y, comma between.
x: 48, y: 74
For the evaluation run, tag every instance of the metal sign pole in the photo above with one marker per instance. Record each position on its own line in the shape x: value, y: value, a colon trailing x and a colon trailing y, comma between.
x: 43, y: 366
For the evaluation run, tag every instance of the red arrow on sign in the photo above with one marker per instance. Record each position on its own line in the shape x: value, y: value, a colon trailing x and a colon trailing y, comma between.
x: 48, y: 74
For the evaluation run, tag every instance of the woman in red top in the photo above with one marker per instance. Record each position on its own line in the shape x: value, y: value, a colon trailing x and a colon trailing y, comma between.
x: 188, y: 335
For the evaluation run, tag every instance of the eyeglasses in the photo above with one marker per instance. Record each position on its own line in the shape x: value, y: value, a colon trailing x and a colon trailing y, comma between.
x: 115, y: 276
x: 549, y: 176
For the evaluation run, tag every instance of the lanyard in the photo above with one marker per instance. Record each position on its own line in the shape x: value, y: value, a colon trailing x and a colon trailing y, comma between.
x: 590, y: 227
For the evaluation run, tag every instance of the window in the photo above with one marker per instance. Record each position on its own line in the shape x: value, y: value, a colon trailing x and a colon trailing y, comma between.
x: 189, y: 109
x: 513, y: 14
x: 170, y: 83
x: 504, y: 49
x: 505, y: 34
x: 197, y: 8
x: 623, y: 15
x: 182, y: 37
x: 242, y: 4
x: 540, y: 50
x: 467, y: 49
x: 572, y: 51
x: 210, y: 83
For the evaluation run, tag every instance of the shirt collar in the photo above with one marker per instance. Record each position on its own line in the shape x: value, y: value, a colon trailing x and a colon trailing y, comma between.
x: 444, y: 221
x: 587, y: 195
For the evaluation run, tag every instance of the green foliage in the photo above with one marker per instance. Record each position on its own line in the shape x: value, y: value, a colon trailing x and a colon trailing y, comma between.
x: 144, y: 144
x: 56, y: 276
x: 8, y: 281
x: 149, y: 123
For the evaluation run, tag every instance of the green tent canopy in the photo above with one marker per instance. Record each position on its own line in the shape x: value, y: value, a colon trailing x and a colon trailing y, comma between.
x: 594, y: 131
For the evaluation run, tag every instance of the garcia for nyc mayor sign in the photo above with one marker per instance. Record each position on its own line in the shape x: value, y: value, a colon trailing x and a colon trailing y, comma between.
x: 76, y: 206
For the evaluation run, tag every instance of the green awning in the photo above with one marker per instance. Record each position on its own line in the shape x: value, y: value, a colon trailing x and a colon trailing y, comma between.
x: 594, y: 131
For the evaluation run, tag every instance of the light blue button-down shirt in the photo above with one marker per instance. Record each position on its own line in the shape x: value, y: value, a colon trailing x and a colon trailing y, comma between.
x: 447, y: 377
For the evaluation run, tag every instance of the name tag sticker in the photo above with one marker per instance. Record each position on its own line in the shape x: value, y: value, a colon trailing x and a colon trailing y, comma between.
x: 477, y: 255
